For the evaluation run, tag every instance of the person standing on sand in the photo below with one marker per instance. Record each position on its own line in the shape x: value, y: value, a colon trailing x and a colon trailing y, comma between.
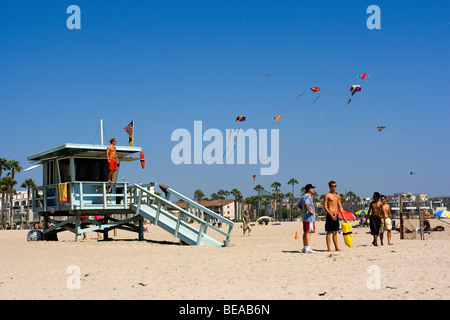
x: 331, y: 204
x: 375, y: 214
x: 246, y: 222
x: 309, y: 217
x: 111, y: 155
x: 386, y: 223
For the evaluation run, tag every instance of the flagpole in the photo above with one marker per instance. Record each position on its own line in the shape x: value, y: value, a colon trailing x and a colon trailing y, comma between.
x: 101, y: 131
x: 132, y: 141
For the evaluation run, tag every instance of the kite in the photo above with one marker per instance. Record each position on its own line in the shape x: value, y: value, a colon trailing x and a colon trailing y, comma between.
x: 267, y: 74
x: 313, y: 89
x: 240, y: 119
x: 411, y: 173
x: 254, y: 177
x: 362, y: 76
x: 278, y: 117
x: 381, y: 128
x: 355, y: 88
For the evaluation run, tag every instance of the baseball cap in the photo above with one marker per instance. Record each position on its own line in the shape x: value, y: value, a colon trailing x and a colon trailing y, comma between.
x: 309, y: 186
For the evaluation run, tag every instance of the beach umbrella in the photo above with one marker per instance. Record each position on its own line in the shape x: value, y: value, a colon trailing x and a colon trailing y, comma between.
x: 442, y: 214
x: 347, y: 214
x: 361, y: 212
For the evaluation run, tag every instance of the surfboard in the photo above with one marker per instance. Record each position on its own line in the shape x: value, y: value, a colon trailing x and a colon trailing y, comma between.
x: 347, y: 233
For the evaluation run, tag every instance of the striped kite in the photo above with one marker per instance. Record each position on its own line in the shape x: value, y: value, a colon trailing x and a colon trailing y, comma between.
x: 355, y: 88
x: 240, y: 119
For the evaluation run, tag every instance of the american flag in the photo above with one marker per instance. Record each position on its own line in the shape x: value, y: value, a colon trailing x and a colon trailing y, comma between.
x: 129, y: 128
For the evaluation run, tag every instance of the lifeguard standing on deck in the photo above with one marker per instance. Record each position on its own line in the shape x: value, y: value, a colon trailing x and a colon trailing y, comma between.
x: 111, y: 155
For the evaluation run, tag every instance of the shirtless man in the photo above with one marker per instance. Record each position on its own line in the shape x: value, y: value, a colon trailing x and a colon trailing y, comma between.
x: 386, y: 223
x: 111, y: 155
x: 375, y: 214
x: 246, y: 222
x: 331, y: 204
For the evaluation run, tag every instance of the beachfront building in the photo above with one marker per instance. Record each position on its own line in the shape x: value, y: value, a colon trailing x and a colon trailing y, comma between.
x: 410, y: 204
x: 224, y: 207
x: 440, y: 203
x: 21, y: 208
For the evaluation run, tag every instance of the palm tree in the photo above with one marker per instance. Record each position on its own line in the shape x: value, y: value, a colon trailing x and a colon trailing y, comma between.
x: 214, y: 196
x: 290, y: 196
x: 258, y: 188
x: 29, y: 183
x: 198, y: 195
x: 4, y: 189
x: 237, y: 201
x: 223, y: 193
x: 276, y: 189
x: 14, y: 166
x: 292, y: 182
x: 7, y: 184
x: 3, y: 165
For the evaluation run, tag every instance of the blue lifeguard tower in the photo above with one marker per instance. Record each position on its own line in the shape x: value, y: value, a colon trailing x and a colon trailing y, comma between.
x: 75, y: 191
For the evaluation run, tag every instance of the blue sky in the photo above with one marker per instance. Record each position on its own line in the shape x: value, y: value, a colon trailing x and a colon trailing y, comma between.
x: 166, y: 64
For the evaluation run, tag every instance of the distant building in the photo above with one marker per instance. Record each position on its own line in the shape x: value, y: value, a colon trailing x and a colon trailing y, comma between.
x: 224, y: 207
x: 21, y: 208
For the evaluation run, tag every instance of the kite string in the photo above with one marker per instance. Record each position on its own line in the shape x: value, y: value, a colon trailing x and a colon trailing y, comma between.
x: 234, y: 147
x: 328, y: 143
x: 229, y: 136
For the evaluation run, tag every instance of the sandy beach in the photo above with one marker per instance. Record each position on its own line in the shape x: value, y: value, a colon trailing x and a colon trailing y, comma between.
x: 266, y: 265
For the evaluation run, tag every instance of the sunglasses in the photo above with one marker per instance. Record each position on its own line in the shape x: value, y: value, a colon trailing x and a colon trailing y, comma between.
x: 334, y: 186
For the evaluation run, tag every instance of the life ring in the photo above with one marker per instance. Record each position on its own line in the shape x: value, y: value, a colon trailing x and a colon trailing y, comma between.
x: 142, y: 160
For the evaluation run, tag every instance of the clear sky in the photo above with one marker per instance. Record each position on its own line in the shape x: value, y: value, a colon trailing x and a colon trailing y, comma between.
x: 166, y: 64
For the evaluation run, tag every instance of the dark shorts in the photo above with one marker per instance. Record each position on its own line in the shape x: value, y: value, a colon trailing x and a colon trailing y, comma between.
x: 330, y: 224
x: 375, y: 224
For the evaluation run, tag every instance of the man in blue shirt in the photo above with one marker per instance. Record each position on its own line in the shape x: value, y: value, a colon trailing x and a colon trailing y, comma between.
x: 309, y: 217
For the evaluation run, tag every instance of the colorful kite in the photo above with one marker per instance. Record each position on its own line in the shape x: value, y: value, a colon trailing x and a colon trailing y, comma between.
x: 355, y: 88
x: 278, y: 117
x: 313, y: 89
x: 362, y: 76
x: 381, y: 128
x: 254, y: 177
x: 240, y: 119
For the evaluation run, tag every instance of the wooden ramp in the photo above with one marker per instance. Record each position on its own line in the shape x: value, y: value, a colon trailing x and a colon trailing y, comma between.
x: 163, y: 213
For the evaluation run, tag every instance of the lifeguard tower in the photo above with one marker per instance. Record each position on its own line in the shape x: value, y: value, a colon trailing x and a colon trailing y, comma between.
x: 75, y: 191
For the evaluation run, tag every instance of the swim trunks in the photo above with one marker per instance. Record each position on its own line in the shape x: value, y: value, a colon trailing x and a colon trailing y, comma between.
x: 112, y: 165
x: 388, y: 226
x: 375, y: 224
x: 309, y: 226
x: 330, y: 224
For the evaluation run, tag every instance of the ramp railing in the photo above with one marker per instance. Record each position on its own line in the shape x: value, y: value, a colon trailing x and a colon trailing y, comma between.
x: 163, y: 205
